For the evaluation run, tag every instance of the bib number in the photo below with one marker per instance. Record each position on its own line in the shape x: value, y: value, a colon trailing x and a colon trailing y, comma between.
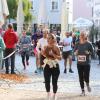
x: 81, y: 58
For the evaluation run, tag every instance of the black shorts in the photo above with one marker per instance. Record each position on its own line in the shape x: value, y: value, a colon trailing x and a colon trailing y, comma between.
x: 66, y: 54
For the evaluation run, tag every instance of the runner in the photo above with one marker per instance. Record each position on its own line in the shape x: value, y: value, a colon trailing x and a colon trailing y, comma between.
x: 10, y: 38
x: 35, y: 37
x: 83, y: 50
x: 40, y: 46
x: 67, y: 51
x: 25, y: 45
x: 51, y: 66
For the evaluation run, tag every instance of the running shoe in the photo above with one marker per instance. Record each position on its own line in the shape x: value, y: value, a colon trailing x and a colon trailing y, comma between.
x: 70, y: 70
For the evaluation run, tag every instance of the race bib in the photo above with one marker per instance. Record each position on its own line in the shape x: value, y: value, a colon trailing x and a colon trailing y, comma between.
x: 81, y: 58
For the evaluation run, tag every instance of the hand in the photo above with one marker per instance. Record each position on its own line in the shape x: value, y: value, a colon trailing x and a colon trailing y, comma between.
x: 66, y: 44
x: 76, y: 52
x: 87, y: 52
x: 50, y: 52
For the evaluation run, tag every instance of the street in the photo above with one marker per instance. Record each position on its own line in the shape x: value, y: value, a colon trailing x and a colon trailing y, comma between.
x: 68, y: 83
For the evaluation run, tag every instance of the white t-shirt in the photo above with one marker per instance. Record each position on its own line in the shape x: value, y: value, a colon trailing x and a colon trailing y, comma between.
x: 41, y: 43
x: 67, y: 40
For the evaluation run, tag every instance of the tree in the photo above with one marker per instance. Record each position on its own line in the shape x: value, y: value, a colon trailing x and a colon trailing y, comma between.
x: 26, y: 7
x: 94, y: 32
x: 13, y: 5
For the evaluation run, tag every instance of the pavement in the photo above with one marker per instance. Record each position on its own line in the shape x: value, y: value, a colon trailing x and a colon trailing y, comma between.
x: 68, y: 84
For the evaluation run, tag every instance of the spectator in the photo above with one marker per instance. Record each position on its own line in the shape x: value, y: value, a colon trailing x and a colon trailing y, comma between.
x: 2, y: 47
x: 10, y: 39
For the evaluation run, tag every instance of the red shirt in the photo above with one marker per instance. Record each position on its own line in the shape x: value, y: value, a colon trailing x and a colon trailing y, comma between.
x: 10, y: 38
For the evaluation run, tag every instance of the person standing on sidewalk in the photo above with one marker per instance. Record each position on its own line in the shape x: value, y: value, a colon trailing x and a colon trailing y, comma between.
x: 51, y: 53
x: 25, y: 45
x: 67, y: 51
x: 2, y: 47
x: 10, y: 39
x: 83, y: 50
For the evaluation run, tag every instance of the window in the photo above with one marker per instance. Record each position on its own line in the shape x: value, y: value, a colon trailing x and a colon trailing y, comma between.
x: 54, y: 5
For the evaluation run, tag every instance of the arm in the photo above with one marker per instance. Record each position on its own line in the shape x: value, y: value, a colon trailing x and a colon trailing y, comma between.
x: 76, y: 49
x: 38, y: 46
x: 16, y: 38
x: 43, y: 51
x: 57, y: 55
x: 91, y: 49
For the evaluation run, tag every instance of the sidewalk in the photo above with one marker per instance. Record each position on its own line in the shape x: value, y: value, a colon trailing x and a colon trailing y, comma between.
x: 14, y: 94
x: 34, y: 88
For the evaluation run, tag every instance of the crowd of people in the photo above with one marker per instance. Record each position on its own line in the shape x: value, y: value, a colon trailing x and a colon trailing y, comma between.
x: 47, y: 52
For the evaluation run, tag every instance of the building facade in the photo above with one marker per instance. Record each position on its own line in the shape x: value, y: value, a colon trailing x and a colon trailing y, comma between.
x: 96, y: 12
x: 81, y: 9
x: 53, y: 11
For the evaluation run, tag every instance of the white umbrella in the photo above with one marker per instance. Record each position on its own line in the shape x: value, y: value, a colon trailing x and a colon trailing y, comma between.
x: 3, y: 11
x: 82, y: 22
x: 20, y: 17
x: 64, y: 17
x: 42, y: 14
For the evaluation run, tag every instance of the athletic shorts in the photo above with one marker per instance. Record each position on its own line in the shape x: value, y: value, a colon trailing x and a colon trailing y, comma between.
x: 66, y: 54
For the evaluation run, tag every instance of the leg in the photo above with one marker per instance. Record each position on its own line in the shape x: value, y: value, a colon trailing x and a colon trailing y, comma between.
x: 41, y: 62
x: 99, y: 59
x: 69, y: 53
x: 23, y: 59
x: 86, y: 76
x: 65, y: 61
x: 3, y: 60
x: 47, y: 76
x: 55, y: 75
x: 81, y: 76
x: 6, y: 60
x: 2, y: 64
x: 7, y: 66
x: 27, y: 58
x: 70, y: 64
x: 65, y: 64
x: 73, y: 56
x: 12, y: 63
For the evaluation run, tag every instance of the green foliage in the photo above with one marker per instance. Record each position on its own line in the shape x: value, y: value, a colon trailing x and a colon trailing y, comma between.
x: 93, y: 33
x: 26, y: 7
x: 13, y: 5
